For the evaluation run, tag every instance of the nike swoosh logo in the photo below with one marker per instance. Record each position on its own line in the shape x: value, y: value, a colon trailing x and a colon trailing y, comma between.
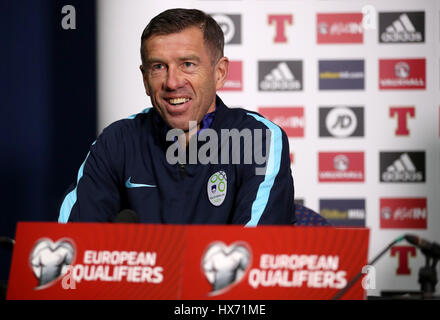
x: 128, y: 184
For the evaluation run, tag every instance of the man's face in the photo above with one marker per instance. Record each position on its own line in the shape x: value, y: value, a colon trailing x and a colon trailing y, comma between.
x: 180, y: 78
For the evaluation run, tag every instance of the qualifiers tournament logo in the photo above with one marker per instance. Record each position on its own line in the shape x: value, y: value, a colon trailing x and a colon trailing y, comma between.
x: 402, y: 166
x: 280, y: 75
x: 402, y: 27
x: 341, y: 167
x: 341, y: 74
x: 340, y: 28
x: 291, y: 119
x: 231, y: 26
x: 343, y: 212
x: 224, y: 266
x: 402, y: 74
x: 50, y: 260
x: 403, y: 213
x: 341, y: 122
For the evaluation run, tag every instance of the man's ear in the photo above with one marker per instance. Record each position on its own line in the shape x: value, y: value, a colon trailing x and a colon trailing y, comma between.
x: 144, y: 78
x: 221, y: 72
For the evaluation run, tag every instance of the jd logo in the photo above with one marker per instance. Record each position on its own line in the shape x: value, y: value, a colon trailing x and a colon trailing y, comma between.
x: 341, y: 122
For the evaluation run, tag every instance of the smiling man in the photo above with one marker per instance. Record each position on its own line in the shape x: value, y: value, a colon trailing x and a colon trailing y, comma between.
x: 181, y: 75
x: 127, y: 167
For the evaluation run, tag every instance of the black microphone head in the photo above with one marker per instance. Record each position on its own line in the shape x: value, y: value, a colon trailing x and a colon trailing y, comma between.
x: 7, y: 243
x: 428, y: 248
x: 126, y: 216
x: 413, y: 239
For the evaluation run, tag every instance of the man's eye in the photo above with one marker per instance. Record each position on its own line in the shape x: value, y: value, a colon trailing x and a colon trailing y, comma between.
x: 157, y: 66
x: 188, y: 64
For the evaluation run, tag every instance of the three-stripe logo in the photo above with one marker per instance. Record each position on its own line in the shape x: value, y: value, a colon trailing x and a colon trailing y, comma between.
x: 402, y: 166
x: 280, y: 75
x: 401, y: 27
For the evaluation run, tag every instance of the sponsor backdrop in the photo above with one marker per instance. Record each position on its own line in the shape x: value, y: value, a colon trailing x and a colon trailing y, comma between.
x: 355, y: 85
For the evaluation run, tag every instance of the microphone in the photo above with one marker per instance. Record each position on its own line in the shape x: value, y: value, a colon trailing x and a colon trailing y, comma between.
x: 427, y: 247
x: 353, y: 281
x: 126, y: 216
x: 7, y: 243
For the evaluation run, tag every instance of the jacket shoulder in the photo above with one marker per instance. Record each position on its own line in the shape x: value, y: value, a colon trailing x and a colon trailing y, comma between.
x: 127, y: 124
x: 243, y: 118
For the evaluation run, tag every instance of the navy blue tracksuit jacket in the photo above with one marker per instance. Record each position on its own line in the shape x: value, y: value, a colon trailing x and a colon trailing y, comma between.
x: 127, y: 168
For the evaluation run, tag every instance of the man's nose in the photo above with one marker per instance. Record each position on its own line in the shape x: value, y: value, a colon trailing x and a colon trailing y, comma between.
x: 175, y: 79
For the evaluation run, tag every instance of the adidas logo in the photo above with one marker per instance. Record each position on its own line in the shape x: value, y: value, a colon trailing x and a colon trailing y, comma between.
x: 402, y: 169
x: 280, y: 78
x: 401, y: 30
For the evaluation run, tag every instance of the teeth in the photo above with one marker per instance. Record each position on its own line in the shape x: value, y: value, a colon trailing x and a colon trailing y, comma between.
x: 178, y: 100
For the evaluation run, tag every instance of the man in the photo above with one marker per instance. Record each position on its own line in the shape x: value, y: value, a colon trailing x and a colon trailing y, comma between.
x: 132, y: 164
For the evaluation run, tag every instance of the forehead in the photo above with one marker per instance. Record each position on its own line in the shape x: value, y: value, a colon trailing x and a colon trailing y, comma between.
x: 189, y: 40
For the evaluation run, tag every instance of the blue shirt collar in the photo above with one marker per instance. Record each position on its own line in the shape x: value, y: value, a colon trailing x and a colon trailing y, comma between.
x: 205, y: 123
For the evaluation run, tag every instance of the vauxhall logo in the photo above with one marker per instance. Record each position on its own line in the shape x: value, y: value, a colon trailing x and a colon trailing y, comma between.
x: 402, y: 70
x: 401, y: 27
x: 402, y: 74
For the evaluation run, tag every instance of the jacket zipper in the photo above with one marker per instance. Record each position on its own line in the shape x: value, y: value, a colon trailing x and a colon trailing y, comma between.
x: 182, y: 170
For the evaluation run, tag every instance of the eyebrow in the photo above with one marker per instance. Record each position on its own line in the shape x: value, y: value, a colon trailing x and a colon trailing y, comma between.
x: 154, y: 60
x: 190, y: 57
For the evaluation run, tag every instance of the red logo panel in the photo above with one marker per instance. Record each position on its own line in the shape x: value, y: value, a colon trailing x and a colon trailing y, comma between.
x: 264, y: 271
x: 91, y: 261
x: 291, y: 119
x: 234, y: 82
x: 339, y: 28
x: 341, y: 167
x: 403, y: 213
x: 402, y: 74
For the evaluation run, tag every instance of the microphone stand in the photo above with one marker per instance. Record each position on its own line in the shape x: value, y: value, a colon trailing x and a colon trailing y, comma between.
x: 8, y: 245
x: 351, y: 283
x: 428, y: 275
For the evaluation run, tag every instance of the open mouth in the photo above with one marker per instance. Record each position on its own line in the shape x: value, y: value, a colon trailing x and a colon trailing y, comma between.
x: 177, y: 106
x: 177, y: 101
